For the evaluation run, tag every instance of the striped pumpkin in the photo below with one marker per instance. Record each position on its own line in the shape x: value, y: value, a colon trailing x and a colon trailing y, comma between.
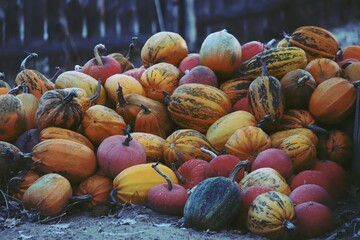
x: 272, y: 215
x: 58, y: 108
x: 221, y: 130
x: 237, y: 87
x: 247, y: 143
x: 185, y: 144
x: 301, y: 150
x: 297, y: 118
x: 316, y: 41
x: 266, y: 177
x: 153, y: 145
x: 197, y: 106
x: 279, y: 61
x: 279, y: 136
x: 266, y: 99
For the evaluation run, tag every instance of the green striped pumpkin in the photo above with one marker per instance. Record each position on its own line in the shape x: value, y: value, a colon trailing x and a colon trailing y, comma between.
x: 272, y: 215
x: 59, y: 108
x: 266, y: 99
x: 301, y: 150
x: 197, y: 106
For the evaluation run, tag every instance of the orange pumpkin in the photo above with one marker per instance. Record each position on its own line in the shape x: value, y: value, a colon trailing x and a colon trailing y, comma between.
x: 185, y: 144
x: 221, y: 52
x: 297, y: 86
x: 48, y: 195
x: 322, y: 69
x: 21, y: 182
x: 247, y: 143
x: 95, y: 189
x: 279, y: 136
x: 332, y: 100
x: 297, y: 118
x: 13, y: 117
x: 316, y: 41
x: 153, y: 145
x: 100, y: 122
x: 237, y: 87
x: 337, y: 146
x: 158, y: 78
x: 164, y: 46
x: 149, y: 121
x: 350, y: 52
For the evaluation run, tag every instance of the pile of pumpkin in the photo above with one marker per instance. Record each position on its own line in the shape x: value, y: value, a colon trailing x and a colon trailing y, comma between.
x: 247, y: 137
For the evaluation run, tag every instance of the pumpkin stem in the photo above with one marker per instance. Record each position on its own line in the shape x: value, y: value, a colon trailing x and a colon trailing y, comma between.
x: 81, y: 199
x: 131, y: 47
x: 120, y: 95
x: 97, y: 93
x: 2, y: 76
x: 356, y: 83
x: 339, y: 55
x: 67, y: 99
x: 269, y: 43
x: 289, y: 225
x: 15, y: 90
x: 237, y: 168
x: 146, y: 109
x: 154, y: 166
x: 24, y: 87
x: 8, y: 153
x: 263, y: 65
x: 264, y: 120
x: 315, y: 128
x: 23, y: 63
x: 166, y: 97
x: 287, y: 36
x: 303, y: 80
x: 128, y: 137
x: 113, y: 198
x: 56, y: 74
x: 13, y: 183
x: 78, y: 67
x: 211, y: 153
x: 97, y: 54
x: 181, y: 178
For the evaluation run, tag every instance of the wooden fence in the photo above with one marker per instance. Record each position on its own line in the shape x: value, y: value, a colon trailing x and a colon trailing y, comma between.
x: 64, y: 32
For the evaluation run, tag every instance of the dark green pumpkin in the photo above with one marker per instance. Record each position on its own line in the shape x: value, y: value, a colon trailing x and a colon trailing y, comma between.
x: 59, y: 108
x: 213, y: 204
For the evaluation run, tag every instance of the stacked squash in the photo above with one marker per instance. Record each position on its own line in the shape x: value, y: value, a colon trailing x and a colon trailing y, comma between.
x: 102, y: 136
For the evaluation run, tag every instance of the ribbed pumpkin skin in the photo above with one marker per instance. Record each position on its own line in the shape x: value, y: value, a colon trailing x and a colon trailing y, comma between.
x: 279, y: 61
x: 78, y: 79
x: 350, y: 51
x: 152, y: 144
x: 62, y: 133
x: 266, y: 177
x: 149, y: 121
x: 296, y: 118
x: 12, y: 117
x: 213, y: 204
x: 134, y: 183
x: 158, y: 78
x: 221, y: 130
x: 247, y: 142
x: 35, y: 81
x: 323, y: 68
x: 197, y: 106
x: 49, y: 194
x: 100, y: 122
x: 266, y: 97
x: 164, y: 46
x: 317, y: 42
x: 236, y: 88
x: 297, y: 90
x: 333, y: 100
x: 27, y: 179
x: 98, y: 187
x: 54, y: 111
x: 221, y: 52
x: 70, y: 159
x: 270, y: 214
x: 279, y: 136
x: 185, y: 144
x: 301, y: 150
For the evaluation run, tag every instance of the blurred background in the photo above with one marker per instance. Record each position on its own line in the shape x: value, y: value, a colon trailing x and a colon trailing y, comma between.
x: 64, y: 32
